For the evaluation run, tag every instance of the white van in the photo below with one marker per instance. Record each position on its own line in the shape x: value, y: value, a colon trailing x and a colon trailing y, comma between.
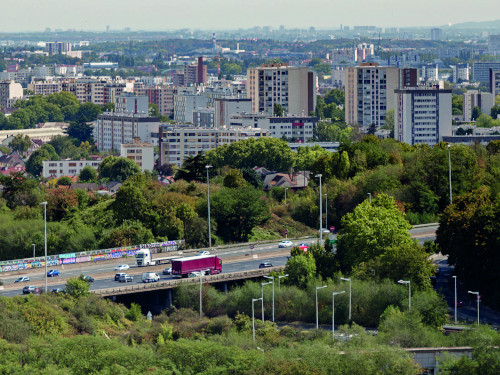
x: 150, y: 277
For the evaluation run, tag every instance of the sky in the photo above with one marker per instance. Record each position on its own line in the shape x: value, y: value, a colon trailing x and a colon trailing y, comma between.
x: 36, y: 15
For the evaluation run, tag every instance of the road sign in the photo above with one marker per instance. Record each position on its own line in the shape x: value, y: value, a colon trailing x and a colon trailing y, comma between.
x: 332, y: 228
x: 251, y: 246
x: 286, y: 232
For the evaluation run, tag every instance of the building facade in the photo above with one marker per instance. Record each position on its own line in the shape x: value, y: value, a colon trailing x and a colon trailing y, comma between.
x: 294, y: 88
x: 422, y: 115
x: 61, y: 168
x: 10, y: 91
x: 475, y: 98
x: 140, y: 152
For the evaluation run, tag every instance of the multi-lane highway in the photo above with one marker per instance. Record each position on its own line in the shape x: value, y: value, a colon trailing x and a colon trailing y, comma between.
x: 237, y: 258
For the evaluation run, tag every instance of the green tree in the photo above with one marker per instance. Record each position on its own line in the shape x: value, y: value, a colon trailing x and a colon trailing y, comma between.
x: 389, y: 120
x: 118, y: 168
x: 236, y: 212
x: 369, y: 230
x: 88, y: 174
x: 278, y: 110
x: 64, y: 180
x: 234, y: 179
x: 476, y: 112
x: 336, y: 96
x: 300, y: 270
x: 77, y: 287
x: 193, y: 169
x: 20, y: 143
x: 19, y: 190
x: 34, y: 164
x: 80, y: 130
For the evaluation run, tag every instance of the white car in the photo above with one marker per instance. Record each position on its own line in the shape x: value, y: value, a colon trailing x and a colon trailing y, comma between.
x: 22, y: 279
x: 122, y: 267
x: 285, y: 244
x: 205, y: 252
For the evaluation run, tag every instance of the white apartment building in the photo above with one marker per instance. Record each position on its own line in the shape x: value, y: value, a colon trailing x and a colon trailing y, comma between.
x: 294, y: 128
x: 430, y: 72
x: 422, y: 115
x: 177, y: 142
x: 369, y: 93
x: 10, y: 91
x: 291, y: 86
x: 43, y: 87
x: 226, y: 107
x: 495, y: 83
x: 494, y: 44
x: 112, y: 129
x: 475, y: 98
x: 68, y: 167
x: 460, y: 73
x: 186, y: 104
x: 140, y: 152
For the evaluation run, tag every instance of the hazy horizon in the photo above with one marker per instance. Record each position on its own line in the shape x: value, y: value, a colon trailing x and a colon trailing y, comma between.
x: 157, y: 15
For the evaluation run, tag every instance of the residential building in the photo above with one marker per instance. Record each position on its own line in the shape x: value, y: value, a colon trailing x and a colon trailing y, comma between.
x: 179, y: 142
x: 100, y: 65
x: 430, y: 72
x: 204, y: 117
x: 10, y: 91
x: 495, y: 83
x: 291, y: 86
x: 67, y: 167
x: 294, y: 128
x: 225, y: 107
x: 481, y: 71
x: 185, y: 104
x: 460, y: 73
x: 494, y: 44
x: 338, y: 78
x: 369, y: 93
x: 162, y: 96
x: 195, y: 74
x: 475, y: 98
x: 140, y: 152
x: 55, y: 48
x: 130, y: 103
x: 422, y: 115
x: 436, y: 34
x: 44, y: 87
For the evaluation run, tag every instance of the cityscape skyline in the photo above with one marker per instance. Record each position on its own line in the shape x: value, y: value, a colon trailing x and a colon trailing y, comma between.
x: 153, y: 15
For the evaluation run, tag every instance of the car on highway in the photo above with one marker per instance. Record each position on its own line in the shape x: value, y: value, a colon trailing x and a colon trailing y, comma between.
x: 285, y: 244
x: 118, y: 275
x: 265, y: 265
x: 31, y: 289
x: 87, y: 278
x: 58, y: 290
x: 122, y: 267
x: 460, y: 304
x: 126, y: 278
x: 195, y: 274
x: 22, y: 279
x: 52, y: 273
x: 204, y: 252
x: 167, y: 271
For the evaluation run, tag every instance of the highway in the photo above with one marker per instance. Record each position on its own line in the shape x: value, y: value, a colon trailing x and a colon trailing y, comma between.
x: 235, y: 258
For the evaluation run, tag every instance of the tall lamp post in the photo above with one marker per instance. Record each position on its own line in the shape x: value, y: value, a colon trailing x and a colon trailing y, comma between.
x: 320, y: 209
x: 478, y: 299
x: 455, y: 278
x: 262, y: 296
x: 207, y: 167
x: 409, y: 291
x: 253, y: 316
x: 271, y: 278
x: 279, y: 278
x: 33, y: 249
x: 350, y: 294
x: 369, y: 198
x: 317, y: 288
x: 44, y: 204
x: 333, y: 312
x: 326, y: 211
x: 285, y: 195
x: 201, y: 303
x: 449, y: 170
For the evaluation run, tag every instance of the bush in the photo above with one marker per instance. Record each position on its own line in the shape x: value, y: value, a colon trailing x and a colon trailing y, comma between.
x: 219, y: 325
x: 134, y: 313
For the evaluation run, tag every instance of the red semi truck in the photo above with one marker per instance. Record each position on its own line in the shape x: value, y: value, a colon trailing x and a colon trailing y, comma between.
x: 207, y: 264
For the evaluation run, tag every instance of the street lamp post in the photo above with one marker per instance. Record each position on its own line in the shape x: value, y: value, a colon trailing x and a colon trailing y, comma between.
x: 478, y: 298
x: 207, y: 167
x: 271, y: 278
x: 253, y: 316
x: 455, y: 278
x: 262, y: 296
x: 320, y: 209
x: 333, y: 312
x: 326, y: 211
x: 317, y: 288
x: 279, y: 278
x: 409, y: 291
x: 44, y: 204
x: 33, y: 250
x: 449, y: 170
x: 350, y: 294
x: 201, y: 303
x: 285, y: 195
x: 369, y: 198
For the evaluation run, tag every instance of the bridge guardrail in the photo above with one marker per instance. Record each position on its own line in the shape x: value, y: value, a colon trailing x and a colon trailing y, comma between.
x: 169, y: 284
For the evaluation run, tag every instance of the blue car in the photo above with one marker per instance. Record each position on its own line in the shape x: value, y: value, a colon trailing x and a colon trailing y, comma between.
x: 53, y: 273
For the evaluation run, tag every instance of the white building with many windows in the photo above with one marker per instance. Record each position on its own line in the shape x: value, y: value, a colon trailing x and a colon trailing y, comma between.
x: 140, y: 152
x: 422, y: 115
x: 68, y: 167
